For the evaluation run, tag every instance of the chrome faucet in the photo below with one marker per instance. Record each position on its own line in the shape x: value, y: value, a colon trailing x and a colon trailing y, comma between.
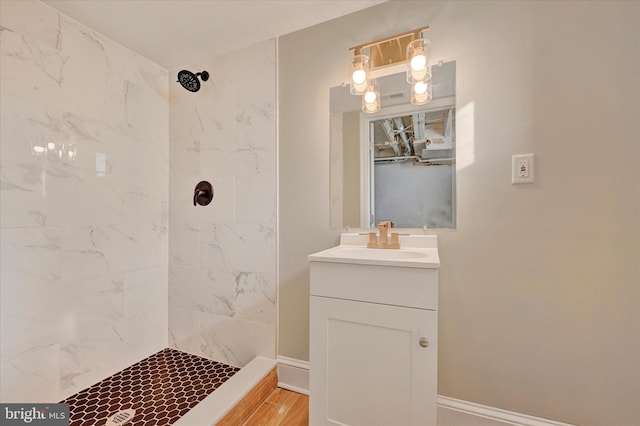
x: 383, y: 242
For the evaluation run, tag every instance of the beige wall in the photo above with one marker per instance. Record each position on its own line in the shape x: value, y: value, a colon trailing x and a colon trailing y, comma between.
x: 539, y: 302
x: 351, y: 152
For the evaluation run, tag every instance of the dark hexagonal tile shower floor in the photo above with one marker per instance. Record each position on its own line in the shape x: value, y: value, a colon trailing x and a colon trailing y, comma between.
x: 160, y: 388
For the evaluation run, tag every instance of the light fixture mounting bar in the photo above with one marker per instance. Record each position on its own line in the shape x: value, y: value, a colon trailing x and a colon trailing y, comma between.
x: 389, y: 50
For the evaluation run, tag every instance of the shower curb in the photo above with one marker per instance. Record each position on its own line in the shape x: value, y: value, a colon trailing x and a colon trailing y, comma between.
x: 216, y: 406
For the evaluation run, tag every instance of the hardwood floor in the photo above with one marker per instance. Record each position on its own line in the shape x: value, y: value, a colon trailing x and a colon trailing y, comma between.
x: 281, y: 408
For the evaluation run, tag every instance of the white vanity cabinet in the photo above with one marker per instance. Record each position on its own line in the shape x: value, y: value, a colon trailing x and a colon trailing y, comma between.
x: 373, y: 341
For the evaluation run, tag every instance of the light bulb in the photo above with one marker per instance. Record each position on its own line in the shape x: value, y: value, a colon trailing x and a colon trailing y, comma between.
x: 51, y: 146
x: 419, y: 61
x: 38, y: 149
x: 370, y: 97
x: 359, y: 76
x: 420, y: 88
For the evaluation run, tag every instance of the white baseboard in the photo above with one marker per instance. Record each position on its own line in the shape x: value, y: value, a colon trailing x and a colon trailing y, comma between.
x: 455, y: 412
x: 293, y: 374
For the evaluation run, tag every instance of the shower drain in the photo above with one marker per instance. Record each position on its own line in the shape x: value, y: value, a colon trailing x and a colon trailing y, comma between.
x: 121, y: 417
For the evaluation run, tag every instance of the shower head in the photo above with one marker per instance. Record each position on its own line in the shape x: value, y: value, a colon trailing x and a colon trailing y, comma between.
x: 190, y: 80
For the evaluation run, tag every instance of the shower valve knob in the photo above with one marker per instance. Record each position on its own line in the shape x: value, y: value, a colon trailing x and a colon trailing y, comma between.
x: 203, y: 193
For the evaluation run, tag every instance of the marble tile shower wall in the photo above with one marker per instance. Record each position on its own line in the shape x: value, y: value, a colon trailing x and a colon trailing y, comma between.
x: 84, y: 205
x: 222, y: 257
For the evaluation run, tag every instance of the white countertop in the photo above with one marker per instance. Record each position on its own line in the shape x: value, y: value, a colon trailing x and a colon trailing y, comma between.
x: 416, y: 251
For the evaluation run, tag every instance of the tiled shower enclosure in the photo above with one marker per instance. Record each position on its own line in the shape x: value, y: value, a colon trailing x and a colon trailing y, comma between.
x: 104, y: 258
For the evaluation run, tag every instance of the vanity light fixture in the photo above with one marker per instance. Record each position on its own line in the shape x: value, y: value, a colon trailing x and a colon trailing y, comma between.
x: 382, y: 57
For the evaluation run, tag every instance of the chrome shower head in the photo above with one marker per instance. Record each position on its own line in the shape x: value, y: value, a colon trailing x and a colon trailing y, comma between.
x: 190, y: 81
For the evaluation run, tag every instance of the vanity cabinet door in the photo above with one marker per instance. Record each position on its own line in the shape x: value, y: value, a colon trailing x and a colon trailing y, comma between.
x: 372, y: 364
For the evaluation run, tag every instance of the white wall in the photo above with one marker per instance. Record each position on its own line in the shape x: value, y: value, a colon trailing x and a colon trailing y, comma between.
x: 222, y: 257
x: 539, y: 296
x: 84, y: 238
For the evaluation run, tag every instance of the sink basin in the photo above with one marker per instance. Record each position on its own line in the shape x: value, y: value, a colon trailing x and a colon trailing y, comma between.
x: 411, y: 257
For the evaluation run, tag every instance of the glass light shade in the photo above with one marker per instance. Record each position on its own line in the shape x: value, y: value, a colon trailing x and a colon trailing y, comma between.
x: 418, y: 61
x: 371, y: 108
x: 359, y: 74
x: 371, y: 98
x: 421, y: 93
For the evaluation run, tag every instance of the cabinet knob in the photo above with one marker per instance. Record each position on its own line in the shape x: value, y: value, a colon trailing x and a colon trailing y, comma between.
x: 424, y: 342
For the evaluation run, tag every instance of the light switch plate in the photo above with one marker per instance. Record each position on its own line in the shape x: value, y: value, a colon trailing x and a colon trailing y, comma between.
x: 523, y: 169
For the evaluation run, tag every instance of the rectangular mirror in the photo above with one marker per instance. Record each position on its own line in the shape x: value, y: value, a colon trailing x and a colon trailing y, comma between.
x: 397, y: 164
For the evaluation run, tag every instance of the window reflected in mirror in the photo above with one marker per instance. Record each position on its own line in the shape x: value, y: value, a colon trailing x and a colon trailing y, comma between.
x: 413, y: 159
